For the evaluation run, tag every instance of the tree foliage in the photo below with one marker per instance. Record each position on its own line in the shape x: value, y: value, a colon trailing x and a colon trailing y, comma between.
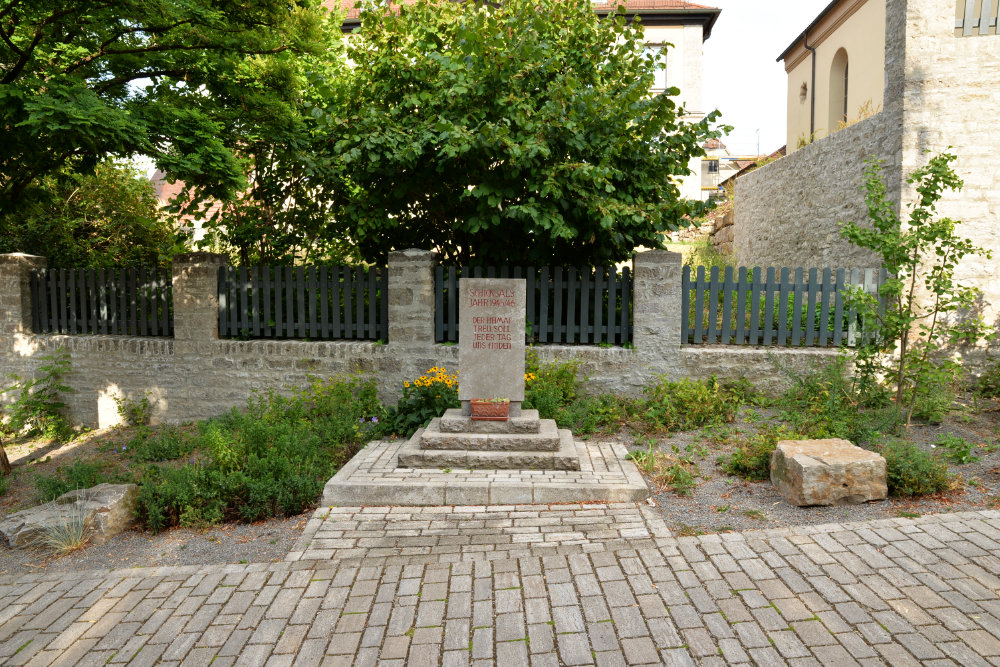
x: 110, y: 217
x: 517, y: 131
x: 86, y: 80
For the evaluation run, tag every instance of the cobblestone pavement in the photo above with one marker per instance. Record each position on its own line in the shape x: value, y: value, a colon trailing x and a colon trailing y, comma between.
x: 592, y: 584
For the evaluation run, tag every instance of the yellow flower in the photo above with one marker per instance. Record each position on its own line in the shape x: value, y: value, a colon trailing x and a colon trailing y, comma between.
x: 406, y: 384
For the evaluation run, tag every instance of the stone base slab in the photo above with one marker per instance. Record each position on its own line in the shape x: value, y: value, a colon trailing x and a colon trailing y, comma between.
x: 417, y: 454
x: 454, y: 421
x: 374, y: 477
x: 545, y: 439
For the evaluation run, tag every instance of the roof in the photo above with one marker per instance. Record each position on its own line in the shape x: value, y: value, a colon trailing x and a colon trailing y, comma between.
x: 713, y: 144
x: 809, y: 27
x: 678, y: 9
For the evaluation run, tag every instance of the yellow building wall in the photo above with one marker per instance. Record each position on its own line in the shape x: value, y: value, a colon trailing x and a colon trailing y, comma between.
x: 858, y: 27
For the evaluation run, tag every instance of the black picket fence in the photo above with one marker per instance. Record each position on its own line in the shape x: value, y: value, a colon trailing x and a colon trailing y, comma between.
x: 314, y: 302
x: 123, y: 301
x: 563, y: 305
x: 786, y: 307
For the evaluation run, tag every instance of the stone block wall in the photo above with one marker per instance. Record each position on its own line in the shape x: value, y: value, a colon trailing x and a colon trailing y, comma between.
x: 196, y: 375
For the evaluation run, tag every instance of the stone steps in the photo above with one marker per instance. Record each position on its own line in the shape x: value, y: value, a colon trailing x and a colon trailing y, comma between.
x: 545, y: 439
x: 414, y: 454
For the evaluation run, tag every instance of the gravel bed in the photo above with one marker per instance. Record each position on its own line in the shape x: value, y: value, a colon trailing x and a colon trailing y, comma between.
x: 265, y: 541
x: 720, y: 502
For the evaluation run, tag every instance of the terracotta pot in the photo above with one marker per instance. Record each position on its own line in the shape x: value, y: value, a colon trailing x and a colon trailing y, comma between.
x: 486, y: 410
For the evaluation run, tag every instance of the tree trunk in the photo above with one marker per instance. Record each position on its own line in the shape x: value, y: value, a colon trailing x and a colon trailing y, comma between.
x: 4, y: 461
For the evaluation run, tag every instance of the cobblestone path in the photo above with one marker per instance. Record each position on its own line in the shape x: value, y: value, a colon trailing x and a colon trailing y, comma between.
x: 537, y: 585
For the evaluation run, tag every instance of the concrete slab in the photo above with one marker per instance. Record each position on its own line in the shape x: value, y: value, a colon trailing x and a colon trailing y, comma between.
x: 374, y: 477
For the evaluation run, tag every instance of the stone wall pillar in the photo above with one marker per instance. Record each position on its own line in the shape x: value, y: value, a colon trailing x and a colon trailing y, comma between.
x: 411, y: 297
x: 656, y: 303
x: 15, y: 293
x: 196, y: 297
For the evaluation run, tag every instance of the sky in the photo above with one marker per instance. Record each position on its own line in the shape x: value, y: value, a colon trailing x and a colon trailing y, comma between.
x: 740, y: 76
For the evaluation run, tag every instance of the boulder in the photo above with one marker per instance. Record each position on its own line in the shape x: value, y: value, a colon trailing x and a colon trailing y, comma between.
x: 105, y: 510
x: 827, y: 472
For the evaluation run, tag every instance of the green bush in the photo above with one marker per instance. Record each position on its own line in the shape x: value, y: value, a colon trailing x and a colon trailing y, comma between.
x: 911, y: 471
x: 165, y: 445
x: 77, y: 475
x: 685, y: 404
x: 752, y: 459
x: 38, y: 410
x: 550, y: 387
x: 956, y: 449
x: 988, y: 384
x: 423, y: 399
x: 271, y: 460
x: 134, y: 412
x: 826, y: 403
x: 932, y: 398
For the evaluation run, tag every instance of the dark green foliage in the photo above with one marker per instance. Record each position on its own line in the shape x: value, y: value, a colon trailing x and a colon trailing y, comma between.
x: 521, y: 130
x: 37, y: 410
x: 752, y: 459
x: 554, y: 390
x: 166, y: 444
x: 108, y: 218
x: 687, y: 404
x: 911, y: 471
x: 988, y: 384
x: 271, y: 460
x: 827, y: 403
x: 423, y: 399
x: 956, y: 449
x: 77, y: 475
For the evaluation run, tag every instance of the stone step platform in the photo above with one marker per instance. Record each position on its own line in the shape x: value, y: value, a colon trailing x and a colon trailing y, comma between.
x: 546, y: 439
x: 454, y: 421
x: 414, y: 454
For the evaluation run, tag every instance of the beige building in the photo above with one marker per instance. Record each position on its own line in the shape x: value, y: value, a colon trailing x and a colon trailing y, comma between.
x: 938, y: 60
x: 836, y: 70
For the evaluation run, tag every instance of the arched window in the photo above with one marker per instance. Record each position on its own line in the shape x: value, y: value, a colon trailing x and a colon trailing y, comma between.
x: 838, y: 90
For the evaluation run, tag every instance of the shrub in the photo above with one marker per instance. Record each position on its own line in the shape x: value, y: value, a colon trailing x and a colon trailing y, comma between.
x: 932, y: 398
x: 550, y: 387
x: 134, y: 412
x: 685, y: 404
x: 423, y: 399
x: 668, y: 471
x: 988, y: 384
x: 271, y: 460
x: 911, y: 471
x: 77, y: 475
x: 752, y: 459
x: 956, y: 449
x: 38, y: 408
x: 165, y: 445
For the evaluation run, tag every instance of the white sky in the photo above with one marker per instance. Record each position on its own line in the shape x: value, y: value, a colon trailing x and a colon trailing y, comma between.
x: 740, y: 76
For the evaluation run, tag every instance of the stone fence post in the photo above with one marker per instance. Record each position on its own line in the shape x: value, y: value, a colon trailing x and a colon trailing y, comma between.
x: 656, y: 302
x: 15, y: 293
x: 411, y: 298
x: 196, y: 297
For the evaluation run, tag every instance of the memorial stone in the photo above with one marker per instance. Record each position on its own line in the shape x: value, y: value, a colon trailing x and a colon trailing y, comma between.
x: 491, y: 340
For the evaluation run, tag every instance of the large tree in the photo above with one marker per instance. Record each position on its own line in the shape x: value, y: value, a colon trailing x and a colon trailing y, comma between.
x: 514, y: 131
x: 82, y: 81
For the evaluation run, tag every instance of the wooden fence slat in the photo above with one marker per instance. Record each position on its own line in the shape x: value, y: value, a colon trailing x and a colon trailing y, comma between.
x: 838, y: 309
x: 71, y: 295
x: 372, y: 305
x: 90, y: 314
x: 742, y: 295
x: 768, y: 323
x: 289, y: 281
x: 613, y: 336
x: 531, y: 317
x: 324, y: 303
x: 798, y: 286
x: 686, y: 331
x: 713, y: 305
x: 598, y: 333
x: 359, y: 299
x: 104, y: 311
x: 267, y: 329
x: 727, y: 306
x: 36, y: 302
x: 140, y: 297
x: 583, y: 323
x: 255, y: 305
x: 336, y: 311
x: 985, y: 16
x: 279, y: 304
x: 312, y: 294
x: 970, y: 18
x: 756, y: 284
x: 810, y: 323
x: 349, y: 323
x: 571, y: 322
x: 244, y: 296
x: 699, y: 309
x: 558, y: 315
x: 784, y: 287
x: 824, y: 311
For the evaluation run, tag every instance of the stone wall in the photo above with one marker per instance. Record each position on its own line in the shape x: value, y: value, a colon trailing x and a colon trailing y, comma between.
x: 950, y: 105
x: 788, y: 212
x: 195, y: 375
